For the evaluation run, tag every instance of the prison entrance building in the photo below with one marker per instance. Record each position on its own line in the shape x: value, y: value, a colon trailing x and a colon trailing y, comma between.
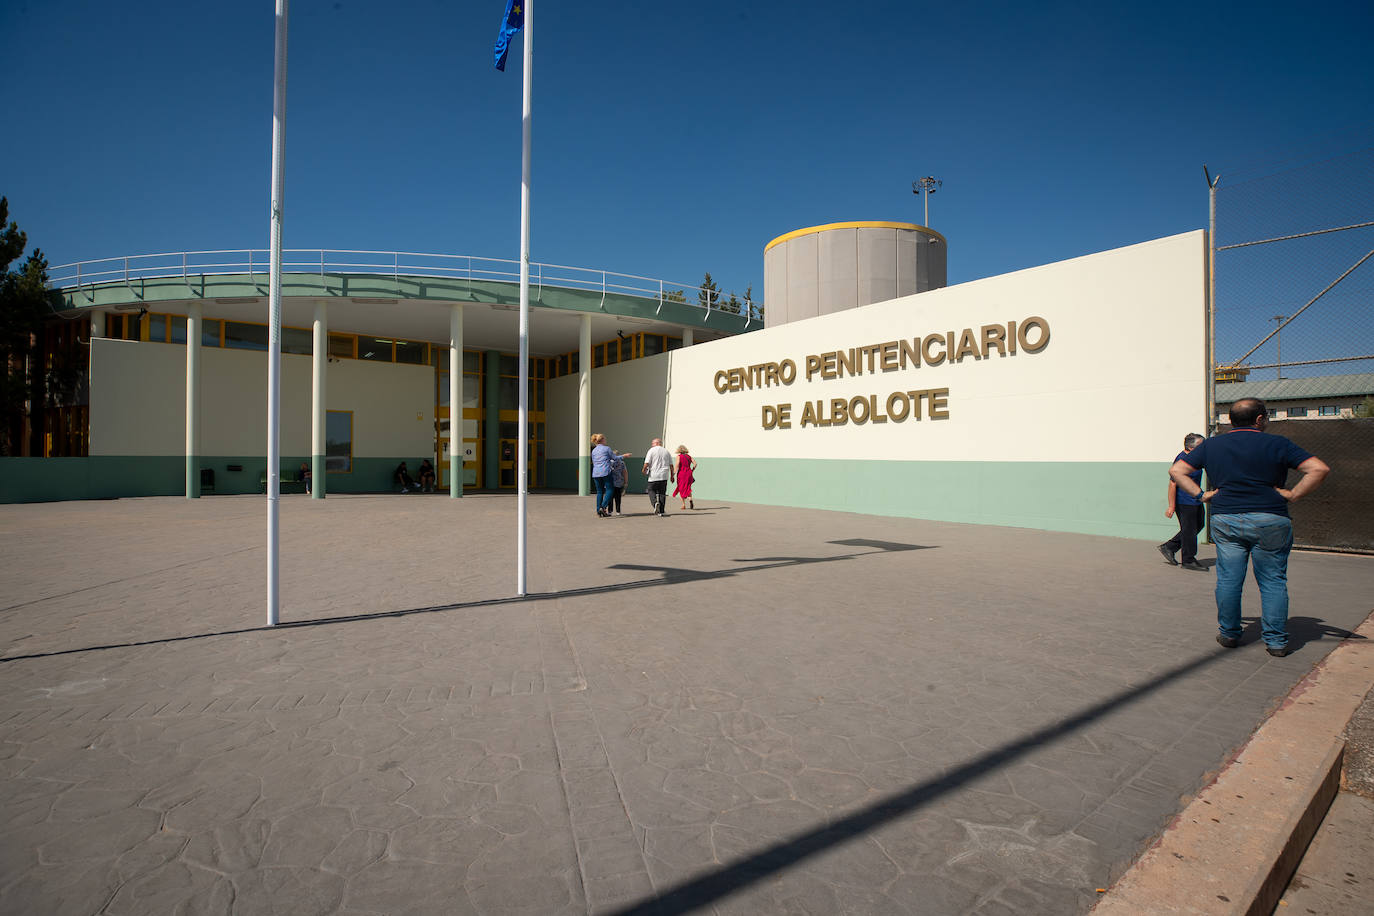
x: 387, y: 322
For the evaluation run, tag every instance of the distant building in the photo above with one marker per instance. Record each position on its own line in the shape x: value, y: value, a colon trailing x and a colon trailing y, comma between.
x: 1325, y: 397
x: 1227, y: 374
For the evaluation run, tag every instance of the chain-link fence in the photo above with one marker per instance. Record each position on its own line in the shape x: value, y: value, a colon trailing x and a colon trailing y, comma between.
x: 1293, y: 325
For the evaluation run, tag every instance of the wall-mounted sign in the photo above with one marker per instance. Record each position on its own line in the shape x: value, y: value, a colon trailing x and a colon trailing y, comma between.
x: 1030, y: 335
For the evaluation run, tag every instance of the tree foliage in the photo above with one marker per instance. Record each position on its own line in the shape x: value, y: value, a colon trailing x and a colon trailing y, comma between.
x: 1366, y: 409
x: 752, y: 309
x: 708, y: 294
x: 24, y: 303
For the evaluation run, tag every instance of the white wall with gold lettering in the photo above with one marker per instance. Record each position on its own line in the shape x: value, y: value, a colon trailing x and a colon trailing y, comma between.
x: 1054, y: 397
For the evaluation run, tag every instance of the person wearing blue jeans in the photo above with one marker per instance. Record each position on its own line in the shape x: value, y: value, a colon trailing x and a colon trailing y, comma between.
x: 602, y: 459
x: 602, y: 456
x: 1247, y: 469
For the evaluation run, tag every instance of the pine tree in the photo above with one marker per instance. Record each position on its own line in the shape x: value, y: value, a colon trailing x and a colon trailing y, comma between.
x: 708, y: 294
x: 24, y: 303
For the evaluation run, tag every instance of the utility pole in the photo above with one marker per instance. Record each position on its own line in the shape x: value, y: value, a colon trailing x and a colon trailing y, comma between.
x: 927, y: 186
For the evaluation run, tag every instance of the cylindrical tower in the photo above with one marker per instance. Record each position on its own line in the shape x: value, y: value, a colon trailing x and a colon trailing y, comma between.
x: 840, y: 266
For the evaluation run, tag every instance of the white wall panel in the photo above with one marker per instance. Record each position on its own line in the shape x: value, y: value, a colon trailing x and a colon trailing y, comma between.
x: 775, y: 285
x: 802, y: 278
x: 1121, y: 379
x: 628, y: 405
x: 138, y: 398
x: 877, y: 267
x: 837, y: 266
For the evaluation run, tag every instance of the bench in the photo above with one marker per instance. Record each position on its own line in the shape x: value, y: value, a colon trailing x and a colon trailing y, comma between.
x: 289, y: 482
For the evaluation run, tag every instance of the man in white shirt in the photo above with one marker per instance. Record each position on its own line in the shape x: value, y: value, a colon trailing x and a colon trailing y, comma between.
x: 658, y: 465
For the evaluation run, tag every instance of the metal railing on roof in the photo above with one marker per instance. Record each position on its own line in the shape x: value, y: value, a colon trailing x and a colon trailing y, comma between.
x: 253, y: 261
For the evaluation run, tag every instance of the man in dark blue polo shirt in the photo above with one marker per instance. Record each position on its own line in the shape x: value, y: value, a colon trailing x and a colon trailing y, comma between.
x: 1189, y: 512
x: 1247, y: 468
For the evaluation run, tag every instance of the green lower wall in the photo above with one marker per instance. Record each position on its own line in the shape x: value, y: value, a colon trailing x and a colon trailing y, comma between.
x: 1119, y: 499
x: 26, y: 480
x: 561, y: 474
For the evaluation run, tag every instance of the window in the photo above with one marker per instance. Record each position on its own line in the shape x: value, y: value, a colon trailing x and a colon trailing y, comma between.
x: 1329, y: 410
x: 123, y: 327
x: 338, y: 441
x: 653, y: 344
x: 297, y: 340
x: 241, y: 336
x: 341, y: 346
x: 157, y: 328
x: 378, y: 348
x: 1297, y: 412
x: 177, y: 329
x: 210, y: 330
x: 410, y: 351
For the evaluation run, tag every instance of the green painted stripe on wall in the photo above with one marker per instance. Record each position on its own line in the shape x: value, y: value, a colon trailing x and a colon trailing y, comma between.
x: 31, y: 480
x: 561, y: 473
x: 24, y: 480
x: 1118, y: 499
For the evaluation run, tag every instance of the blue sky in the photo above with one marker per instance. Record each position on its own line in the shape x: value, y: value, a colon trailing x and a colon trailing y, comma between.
x: 669, y: 139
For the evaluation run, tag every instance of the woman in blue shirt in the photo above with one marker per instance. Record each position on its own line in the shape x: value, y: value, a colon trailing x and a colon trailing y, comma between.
x: 602, y: 457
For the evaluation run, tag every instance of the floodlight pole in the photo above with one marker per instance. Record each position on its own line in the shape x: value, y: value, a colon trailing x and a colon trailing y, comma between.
x: 927, y: 186
x: 274, y: 326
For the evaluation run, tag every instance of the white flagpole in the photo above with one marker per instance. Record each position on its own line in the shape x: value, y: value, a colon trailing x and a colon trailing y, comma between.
x: 274, y: 334
x: 522, y: 463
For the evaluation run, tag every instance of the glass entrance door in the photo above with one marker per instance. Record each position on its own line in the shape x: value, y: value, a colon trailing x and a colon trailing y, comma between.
x: 510, y: 443
x: 472, y: 461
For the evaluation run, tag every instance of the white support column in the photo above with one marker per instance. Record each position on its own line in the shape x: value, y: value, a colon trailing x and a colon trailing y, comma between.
x: 97, y: 324
x: 193, y: 319
x: 686, y: 337
x: 584, y: 408
x: 455, y: 402
x: 319, y: 399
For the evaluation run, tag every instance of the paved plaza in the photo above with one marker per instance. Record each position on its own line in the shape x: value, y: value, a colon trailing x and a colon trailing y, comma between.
x: 740, y: 709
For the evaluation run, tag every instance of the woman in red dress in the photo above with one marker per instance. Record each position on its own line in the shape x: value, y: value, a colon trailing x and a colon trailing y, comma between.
x: 685, y: 466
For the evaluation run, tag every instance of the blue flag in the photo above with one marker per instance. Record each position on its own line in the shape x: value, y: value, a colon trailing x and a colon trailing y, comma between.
x: 514, y: 22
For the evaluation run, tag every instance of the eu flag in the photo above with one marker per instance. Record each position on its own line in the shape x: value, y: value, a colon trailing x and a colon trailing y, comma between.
x: 514, y: 22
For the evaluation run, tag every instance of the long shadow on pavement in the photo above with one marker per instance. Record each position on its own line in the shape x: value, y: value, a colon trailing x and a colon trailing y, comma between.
x: 667, y: 575
x: 699, y: 892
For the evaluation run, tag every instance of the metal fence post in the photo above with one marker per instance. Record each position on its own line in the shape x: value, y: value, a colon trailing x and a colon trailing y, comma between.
x: 1211, y: 421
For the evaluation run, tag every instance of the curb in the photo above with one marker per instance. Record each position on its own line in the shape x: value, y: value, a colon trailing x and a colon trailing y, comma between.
x: 1234, y: 848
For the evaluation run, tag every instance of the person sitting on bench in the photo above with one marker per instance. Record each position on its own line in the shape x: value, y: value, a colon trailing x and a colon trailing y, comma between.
x: 427, y: 478
x: 403, y: 478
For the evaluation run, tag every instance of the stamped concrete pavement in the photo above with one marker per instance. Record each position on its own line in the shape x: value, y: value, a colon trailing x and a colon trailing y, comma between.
x: 740, y: 709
